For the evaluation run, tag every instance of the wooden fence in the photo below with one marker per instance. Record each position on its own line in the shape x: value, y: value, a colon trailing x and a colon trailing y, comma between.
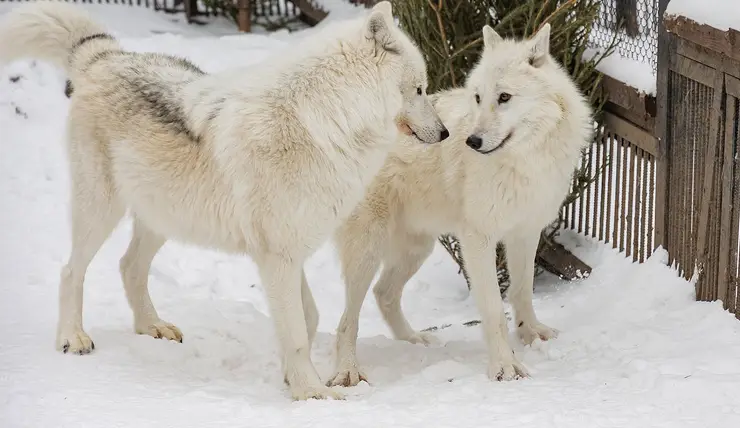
x: 308, y: 11
x: 699, y: 93
x: 669, y: 165
x: 623, y: 206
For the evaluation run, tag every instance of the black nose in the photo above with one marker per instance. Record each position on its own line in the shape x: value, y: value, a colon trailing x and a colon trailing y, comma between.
x: 444, y: 134
x: 474, y: 142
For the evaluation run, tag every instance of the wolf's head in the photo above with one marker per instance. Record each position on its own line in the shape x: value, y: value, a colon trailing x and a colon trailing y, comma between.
x: 400, y: 57
x: 515, y: 93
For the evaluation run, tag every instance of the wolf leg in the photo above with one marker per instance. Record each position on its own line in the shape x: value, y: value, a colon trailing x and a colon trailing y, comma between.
x: 309, y: 309
x: 521, y: 249
x: 359, y: 248
x: 408, y: 254
x: 479, y: 253
x: 94, y: 215
x: 134, y: 266
x: 282, y: 280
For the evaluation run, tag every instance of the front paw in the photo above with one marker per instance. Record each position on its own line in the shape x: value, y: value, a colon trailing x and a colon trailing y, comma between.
x: 507, y: 370
x: 161, y: 330
x: 348, y: 376
x: 528, y: 333
x: 75, y: 342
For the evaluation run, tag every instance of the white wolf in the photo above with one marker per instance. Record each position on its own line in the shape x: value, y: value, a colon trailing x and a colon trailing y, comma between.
x: 517, y: 130
x: 266, y: 161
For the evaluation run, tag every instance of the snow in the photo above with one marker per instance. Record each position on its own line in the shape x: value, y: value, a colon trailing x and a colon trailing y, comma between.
x: 636, y: 74
x: 340, y: 9
x: 720, y: 14
x: 635, y: 348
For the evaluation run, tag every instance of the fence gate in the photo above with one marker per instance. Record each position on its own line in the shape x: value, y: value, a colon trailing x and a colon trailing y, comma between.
x: 701, y: 163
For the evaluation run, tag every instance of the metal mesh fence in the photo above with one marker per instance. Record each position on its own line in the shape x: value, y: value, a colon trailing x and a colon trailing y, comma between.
x: 636, y: 25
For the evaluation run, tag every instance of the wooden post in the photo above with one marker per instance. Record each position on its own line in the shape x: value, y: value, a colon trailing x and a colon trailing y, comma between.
x: 666, y: 51
x: 244, y: 18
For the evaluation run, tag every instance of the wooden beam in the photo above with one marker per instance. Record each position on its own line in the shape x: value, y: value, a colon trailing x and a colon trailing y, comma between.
x: 726, y: 42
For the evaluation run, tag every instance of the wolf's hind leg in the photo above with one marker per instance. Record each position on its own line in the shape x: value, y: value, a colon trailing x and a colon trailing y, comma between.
x: 409, y: 253
x: 135, y: 265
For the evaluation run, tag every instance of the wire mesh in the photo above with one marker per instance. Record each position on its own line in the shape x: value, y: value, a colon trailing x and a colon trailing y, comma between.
x: 636, y: 24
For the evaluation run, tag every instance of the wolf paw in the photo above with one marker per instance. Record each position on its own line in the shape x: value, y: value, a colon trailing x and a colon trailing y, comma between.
x: 318, y: 392
x: 77, y: 342
x: 528, y: 333
x: 505, y: 371
x: 347, y: 377
x: 161, y: 330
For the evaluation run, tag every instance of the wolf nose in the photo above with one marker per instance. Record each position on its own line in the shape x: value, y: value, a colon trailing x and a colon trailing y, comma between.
x: 474, y: 142
x: 444, y: 134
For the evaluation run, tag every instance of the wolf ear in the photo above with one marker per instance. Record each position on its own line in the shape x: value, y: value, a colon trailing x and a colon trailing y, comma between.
x: 540, y: 46
x: 378, y: 25
x: 490, y: 37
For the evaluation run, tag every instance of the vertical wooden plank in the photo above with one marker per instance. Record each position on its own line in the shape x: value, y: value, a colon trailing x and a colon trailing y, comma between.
x: 651, y: 205
x: 705, y: 195
x: 596, y: 188
x: 666, y: 56
x: 573, y: 206
x: 602, y: 197
x: 617, y: 188
x: 681, y: 179
x: 632, y: 205
x: 589, y: 169
x: 609, y: 190
x: 723, y: 273
x: 642, y: 201
x: 580, y: 200
x: 734, y: 257
x: 623, y: 200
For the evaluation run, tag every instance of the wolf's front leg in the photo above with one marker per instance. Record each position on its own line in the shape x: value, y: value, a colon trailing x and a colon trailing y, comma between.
x: 479, y: 254
x: 282, y: 280
x: 521, y: 249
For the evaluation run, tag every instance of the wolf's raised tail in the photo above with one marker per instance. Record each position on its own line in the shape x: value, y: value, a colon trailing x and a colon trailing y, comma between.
x: 53, y: 31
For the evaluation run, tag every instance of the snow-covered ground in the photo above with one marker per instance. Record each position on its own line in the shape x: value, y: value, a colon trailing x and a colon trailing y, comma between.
x: 635, y: 349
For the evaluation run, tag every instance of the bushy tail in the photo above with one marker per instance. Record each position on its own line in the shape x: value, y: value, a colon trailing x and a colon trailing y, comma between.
x: 53, y: 31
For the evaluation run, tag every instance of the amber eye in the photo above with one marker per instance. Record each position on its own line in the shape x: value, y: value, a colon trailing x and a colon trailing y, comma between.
x: 477, y: 98
x: 503, y: 98
x: 418, y: 90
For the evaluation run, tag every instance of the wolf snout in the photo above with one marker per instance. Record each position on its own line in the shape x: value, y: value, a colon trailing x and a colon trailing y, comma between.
x: 444, y: 134
x: 474, y: 142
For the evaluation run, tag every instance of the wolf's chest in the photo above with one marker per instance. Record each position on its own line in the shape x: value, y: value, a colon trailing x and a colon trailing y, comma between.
x: 511, y: 196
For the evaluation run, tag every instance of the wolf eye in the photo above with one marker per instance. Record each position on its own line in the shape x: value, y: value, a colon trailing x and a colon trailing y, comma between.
x: 477, y: 98
x: 418, y: 90
x: 503, y: 98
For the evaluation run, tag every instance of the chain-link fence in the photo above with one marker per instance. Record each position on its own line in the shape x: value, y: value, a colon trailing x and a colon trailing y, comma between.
x: 636, y: 24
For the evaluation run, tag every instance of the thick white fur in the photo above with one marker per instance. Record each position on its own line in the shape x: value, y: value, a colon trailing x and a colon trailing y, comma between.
x: 506, y: 195
x: 284, y: 152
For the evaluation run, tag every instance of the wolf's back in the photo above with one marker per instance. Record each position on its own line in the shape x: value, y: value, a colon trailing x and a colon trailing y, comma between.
x: 52, y: 31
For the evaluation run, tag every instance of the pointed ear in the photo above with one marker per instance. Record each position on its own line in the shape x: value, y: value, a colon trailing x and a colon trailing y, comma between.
x: 540, y: 46
x: 378, y: 25
x: 490, y: 37
x: 385, y: 7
